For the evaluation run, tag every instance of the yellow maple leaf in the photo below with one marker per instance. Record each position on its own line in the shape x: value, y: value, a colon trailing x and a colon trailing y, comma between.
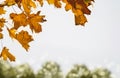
x: 6, y: 54
x: 56, y: 3
x: 2, y: 11
x: 34, y: 22
x: 24, y: 38
x: 2, y: 21
x: 19, y: 19
x: 27, y: 4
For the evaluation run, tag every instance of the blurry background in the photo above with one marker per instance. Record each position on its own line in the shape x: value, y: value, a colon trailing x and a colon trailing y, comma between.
x: 97, y: 44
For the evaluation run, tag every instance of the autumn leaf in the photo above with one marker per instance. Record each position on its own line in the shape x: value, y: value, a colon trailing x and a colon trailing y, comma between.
x: 68, y: 7
x: 79, y: 8
x: 80, y: 4
x: 2, y: 21
x: 27, y: 17
x: 2, y: 11
x: 12, y: 32
x: 1, y: 35
x: 27, y: 4
x: 34, y: 22
x: 19, y: 19
x: 24, y: 38
x: 6, y: 54
x: 80, y: 20
x: 18, y: 3
x: 56, y: 3
x: 9, y: 2
x: 41, y: 2
x: 77, y: 5
x: 88, y: 2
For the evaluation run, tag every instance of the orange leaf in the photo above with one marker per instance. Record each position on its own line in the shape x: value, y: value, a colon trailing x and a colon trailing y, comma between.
x: 56, y: 3
x: 2, y: 21
x: 68, y: 7
x: 88, y: 2
x: 84, y: 7
x: 18, y: 3
x: 34, y: 20
x: 9, y: 2
x: 19, y: 19
x: 6, y: 54
x: 41, y: 2
x: 27, y: 4
x: 12, y: 33
x: 2, y: 11
x: 24, y: 38
x: 79, y: 8
x: 1, y: 35
x: 80, y: 20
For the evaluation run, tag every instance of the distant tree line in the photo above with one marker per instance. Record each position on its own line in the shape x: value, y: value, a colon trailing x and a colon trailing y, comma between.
x: 50, y: 70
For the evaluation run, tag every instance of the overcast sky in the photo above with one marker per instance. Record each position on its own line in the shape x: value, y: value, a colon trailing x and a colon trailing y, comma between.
x: 96, y: 44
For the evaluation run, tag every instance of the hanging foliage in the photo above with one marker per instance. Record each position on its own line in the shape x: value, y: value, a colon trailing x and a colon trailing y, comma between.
x: 27, y: 18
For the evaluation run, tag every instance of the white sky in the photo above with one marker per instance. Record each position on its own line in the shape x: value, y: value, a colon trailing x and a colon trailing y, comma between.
x: 96, y: 44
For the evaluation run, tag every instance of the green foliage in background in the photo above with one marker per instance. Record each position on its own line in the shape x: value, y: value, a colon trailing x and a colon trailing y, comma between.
x: 79, y: 71
x: 50, y: 70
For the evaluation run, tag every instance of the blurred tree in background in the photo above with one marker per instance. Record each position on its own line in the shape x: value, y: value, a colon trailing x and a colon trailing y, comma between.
x: 6, y: 70
x: 24, y: 71
x: 79, y: 71
x: 50, y: 70
x: 101, y: 73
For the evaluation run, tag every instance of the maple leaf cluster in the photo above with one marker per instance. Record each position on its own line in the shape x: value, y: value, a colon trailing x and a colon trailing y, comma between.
x: 26, y: 18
